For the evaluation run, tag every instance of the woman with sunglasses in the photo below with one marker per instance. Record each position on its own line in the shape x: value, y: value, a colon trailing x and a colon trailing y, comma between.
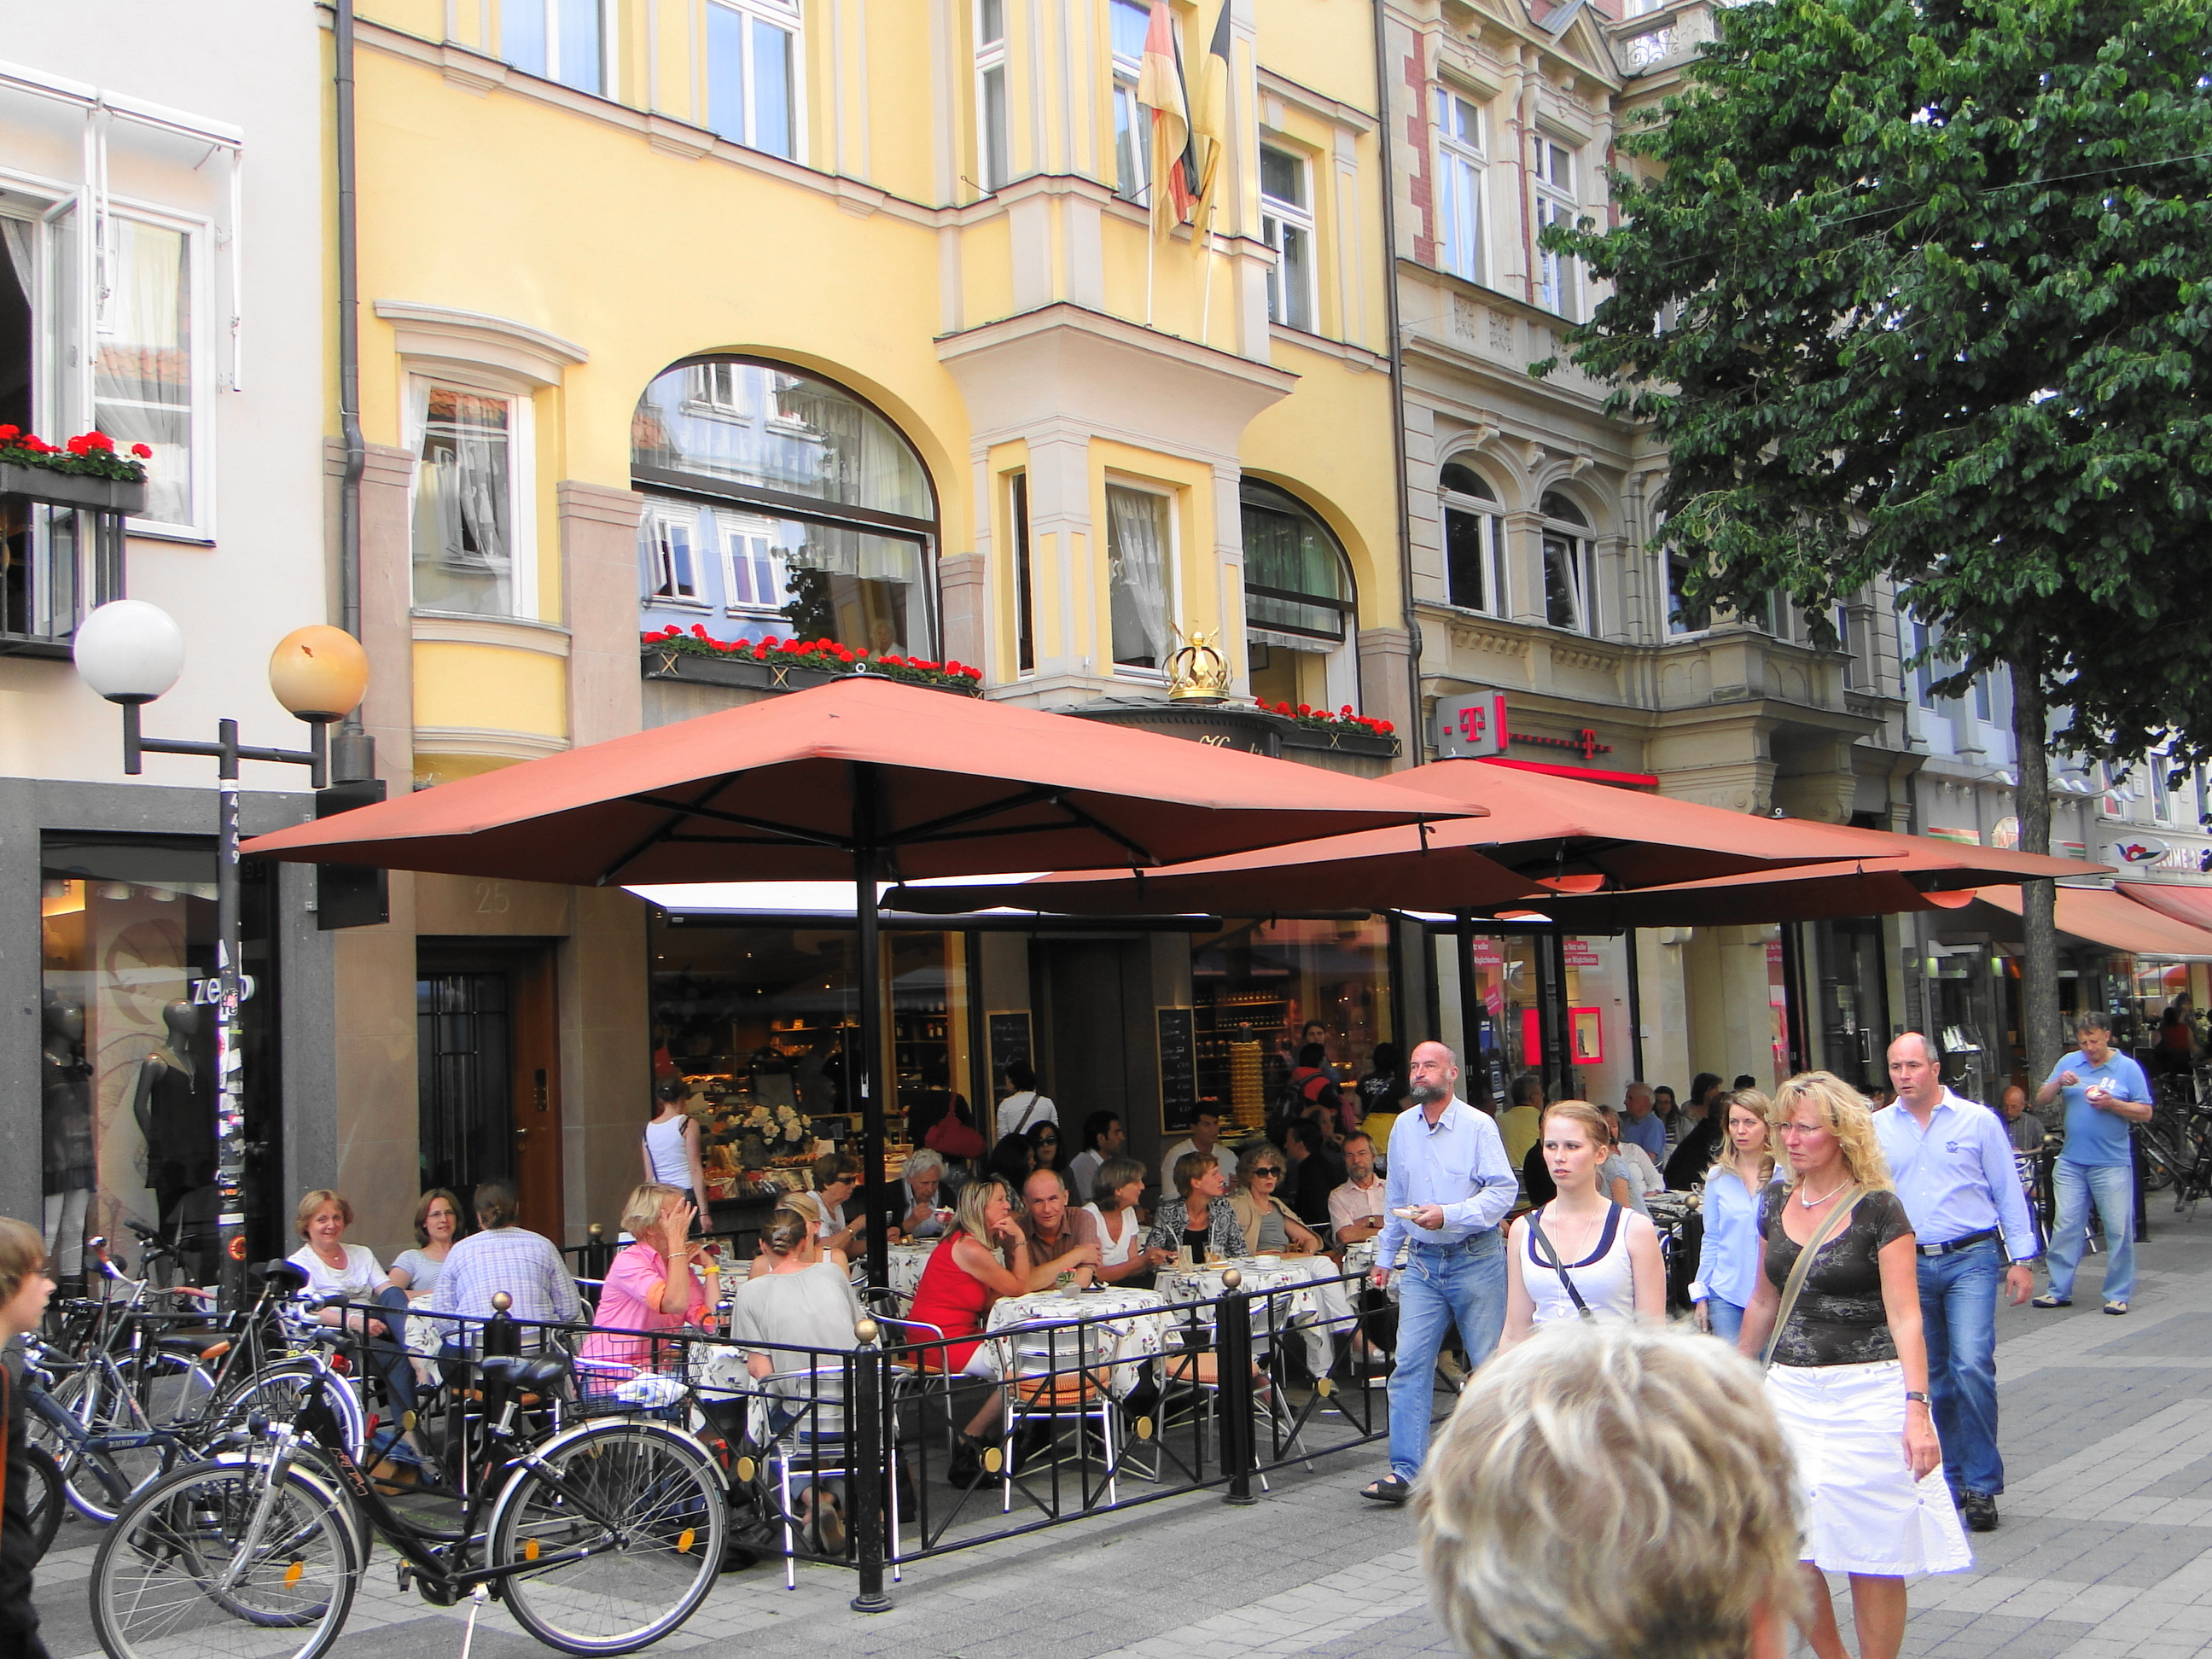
x: 1270, y: 1225
x: 1044, y: 1146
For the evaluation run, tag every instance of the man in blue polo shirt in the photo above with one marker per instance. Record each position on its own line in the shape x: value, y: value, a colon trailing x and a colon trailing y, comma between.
x: 1450, y: 1186
x: 1952, y: 1161
x: 2105, y: 1092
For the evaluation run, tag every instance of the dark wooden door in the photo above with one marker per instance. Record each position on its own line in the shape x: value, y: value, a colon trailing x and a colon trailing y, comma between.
x: 487, y: 1070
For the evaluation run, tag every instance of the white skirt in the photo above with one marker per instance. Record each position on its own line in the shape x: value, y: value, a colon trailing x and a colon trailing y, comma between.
x: 1863, y: 1510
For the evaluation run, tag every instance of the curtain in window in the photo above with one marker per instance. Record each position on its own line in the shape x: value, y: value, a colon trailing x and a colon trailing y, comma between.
x: 1137, y: 554
x: 863, y: 461
x: 141, y: 386
x: 462, y: 551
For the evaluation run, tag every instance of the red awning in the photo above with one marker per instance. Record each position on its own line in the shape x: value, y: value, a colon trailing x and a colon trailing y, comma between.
x: 2105, y: 917
x: 2192, y: 906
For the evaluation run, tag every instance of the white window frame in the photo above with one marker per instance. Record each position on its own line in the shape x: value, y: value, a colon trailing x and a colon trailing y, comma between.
x: 1559, y: 278
x: 1461, y: 174
x: 1278, y: 219
x: 994, y: 153
x: 783, y: 14
x: 730, y: 529
x: 661, y: 519
x: 1582, y: 572
x: 1172, y: 580
x: 1137, y: 187
x: 522, y: 479
x: 1491, y: 516
x: 550, y: 13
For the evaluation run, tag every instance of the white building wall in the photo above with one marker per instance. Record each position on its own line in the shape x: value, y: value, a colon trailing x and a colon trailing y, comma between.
x: 255, y: 566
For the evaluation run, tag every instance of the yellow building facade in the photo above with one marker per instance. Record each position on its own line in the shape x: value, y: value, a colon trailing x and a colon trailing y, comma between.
x: 784, y: 319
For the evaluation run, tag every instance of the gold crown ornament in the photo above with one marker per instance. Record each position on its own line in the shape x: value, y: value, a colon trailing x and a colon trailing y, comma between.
x: 1196, y: 673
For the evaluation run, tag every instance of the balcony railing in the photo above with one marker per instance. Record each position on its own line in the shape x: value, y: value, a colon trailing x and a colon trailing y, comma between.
x: 61, y: 554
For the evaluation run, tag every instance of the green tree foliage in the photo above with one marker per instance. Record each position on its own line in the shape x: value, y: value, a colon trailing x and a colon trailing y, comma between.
x: 1921, y: 291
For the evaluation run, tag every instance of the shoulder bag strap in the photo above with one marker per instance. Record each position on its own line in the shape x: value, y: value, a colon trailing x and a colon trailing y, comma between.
x: 1828, y: 1230
x: 1551, y: 1260
x: 1022, y: 1127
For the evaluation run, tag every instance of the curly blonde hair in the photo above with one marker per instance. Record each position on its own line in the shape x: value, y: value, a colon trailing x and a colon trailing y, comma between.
x: 1846, y: 1115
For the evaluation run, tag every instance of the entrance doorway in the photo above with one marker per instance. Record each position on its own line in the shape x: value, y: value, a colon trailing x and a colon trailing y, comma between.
x: 1854, y: 1000
x: 488, y: 1069
x: 1095, y: 996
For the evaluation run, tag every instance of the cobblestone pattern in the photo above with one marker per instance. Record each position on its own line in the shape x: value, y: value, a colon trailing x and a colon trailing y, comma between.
x: 2105, y: 1551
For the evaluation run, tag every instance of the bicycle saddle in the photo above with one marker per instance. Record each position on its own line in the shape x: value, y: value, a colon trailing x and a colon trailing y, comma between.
x: 285, y: 1276
x: 535, y: 1371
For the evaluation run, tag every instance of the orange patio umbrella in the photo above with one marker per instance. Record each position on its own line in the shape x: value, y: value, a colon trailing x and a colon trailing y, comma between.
x: 862, y: 779
x: 1538, y: 835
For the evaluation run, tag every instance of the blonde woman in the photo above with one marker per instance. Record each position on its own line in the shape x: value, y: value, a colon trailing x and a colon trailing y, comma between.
x: 1727, y: 1256
x: 1679, y: 1537
x: 1849, y: 1374
x: 651, y: 1284
x: 985, y: 1257
x: 1588, y: 1239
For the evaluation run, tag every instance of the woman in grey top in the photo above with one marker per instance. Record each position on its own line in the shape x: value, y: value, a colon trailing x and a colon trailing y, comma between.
x: 803, y: 1303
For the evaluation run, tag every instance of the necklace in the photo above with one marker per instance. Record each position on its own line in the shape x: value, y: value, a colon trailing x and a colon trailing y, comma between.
x: 1812, y: 1203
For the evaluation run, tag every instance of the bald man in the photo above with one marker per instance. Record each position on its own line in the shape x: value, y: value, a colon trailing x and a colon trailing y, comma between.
x: 1450, y: 1186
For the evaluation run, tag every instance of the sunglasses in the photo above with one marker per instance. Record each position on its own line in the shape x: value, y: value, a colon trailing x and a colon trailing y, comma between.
x: 1257, y: 1174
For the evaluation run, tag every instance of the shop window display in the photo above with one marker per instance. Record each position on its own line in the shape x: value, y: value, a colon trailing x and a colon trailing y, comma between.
x: 761, y: 1021
x: 128, y: 1061
x: 1257, y: 985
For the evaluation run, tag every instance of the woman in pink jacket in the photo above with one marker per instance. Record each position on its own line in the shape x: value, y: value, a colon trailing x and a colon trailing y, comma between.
x: 651, y: 1284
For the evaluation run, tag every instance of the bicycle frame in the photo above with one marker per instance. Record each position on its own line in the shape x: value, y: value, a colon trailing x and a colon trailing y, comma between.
x: 318, y: 1422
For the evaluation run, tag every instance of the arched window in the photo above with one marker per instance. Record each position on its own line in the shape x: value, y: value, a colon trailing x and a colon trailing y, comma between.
x: 779, y: 505
x: 1474, y: 539
x: 1295, y: 578
x: 1569, y: 590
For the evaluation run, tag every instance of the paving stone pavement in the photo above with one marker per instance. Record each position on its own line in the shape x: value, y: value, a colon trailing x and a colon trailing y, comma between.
x: 2105, y: 1551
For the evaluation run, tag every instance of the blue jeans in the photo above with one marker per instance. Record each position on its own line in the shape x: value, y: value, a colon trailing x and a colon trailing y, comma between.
x: 1959, y: 1316
x: 1726, y: 1319
x: 1443, y: 1285
x: 2113, y: 1187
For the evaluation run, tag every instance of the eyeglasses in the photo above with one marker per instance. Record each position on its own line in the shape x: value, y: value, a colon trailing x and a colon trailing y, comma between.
x: 1271, y: 1174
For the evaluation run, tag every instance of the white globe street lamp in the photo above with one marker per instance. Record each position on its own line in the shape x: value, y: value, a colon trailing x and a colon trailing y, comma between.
x: 131, y: 651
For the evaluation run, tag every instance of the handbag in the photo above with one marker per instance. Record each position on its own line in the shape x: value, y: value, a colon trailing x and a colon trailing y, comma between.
x: 954, y: 1138
x: 1551, y: 1260
x: 1787, y: 1305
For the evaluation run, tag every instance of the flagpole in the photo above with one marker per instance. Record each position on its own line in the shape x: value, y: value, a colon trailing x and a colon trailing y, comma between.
x: 1152, y: 258
x: 1205, y: 308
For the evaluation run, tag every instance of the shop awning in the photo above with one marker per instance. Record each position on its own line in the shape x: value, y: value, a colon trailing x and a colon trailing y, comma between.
x: 2105, y: 917
x: 2191, y: 906
x: 1542, y: 835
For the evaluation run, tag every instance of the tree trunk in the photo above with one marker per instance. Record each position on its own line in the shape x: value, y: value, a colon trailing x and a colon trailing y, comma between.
x: 2040, y: 1034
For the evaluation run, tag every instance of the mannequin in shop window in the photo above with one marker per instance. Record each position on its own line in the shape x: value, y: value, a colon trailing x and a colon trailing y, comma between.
x: 174, y: 1104
x: 65, y: 1112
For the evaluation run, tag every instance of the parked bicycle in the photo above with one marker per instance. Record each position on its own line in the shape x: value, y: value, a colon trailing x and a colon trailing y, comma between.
x: 600, y: 1537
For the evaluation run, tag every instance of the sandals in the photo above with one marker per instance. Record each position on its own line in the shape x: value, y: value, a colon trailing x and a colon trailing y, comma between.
x: 1391, y: 1489
x: 2047, y: 1300
x: 2115, y: 1307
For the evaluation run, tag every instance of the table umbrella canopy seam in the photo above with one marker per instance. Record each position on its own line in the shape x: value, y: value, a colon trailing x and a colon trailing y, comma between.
x: 794, y: 787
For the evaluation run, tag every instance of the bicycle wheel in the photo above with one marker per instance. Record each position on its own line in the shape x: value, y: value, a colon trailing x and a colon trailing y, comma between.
x: 99, y: 1479
x: 2161, y: 1163
x: 175, y: 1579
x: 627, y: 1522
x: 45, y: 1502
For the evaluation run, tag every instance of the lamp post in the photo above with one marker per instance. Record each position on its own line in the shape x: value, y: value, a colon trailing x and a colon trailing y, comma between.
x: 130, y: 653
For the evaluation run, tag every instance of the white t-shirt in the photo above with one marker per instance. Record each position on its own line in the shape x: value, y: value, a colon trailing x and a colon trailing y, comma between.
x: 1224, y: 1154
x: 1018, y: 1115
x: 1083, y: 1170
x: 361, y: 1274
x: 1641, y: 1166
x: 1113, y: 1252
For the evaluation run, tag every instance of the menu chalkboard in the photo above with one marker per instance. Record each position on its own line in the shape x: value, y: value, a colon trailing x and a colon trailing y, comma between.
x: 1010, y: 1041
x: 1178, y: 1068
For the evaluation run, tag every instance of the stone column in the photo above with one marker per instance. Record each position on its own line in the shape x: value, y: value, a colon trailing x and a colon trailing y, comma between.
x: 598, y: 560
x: 964, y: 591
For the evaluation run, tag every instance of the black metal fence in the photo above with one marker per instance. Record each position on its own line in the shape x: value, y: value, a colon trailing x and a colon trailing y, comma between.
x: 906, y: 1443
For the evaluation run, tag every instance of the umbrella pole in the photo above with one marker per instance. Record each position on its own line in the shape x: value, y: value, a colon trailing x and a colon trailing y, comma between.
x: 867, y: 859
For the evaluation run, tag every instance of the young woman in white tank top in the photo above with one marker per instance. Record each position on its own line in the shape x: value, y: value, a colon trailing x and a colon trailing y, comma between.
x: 672, y: 1144
x: 1608, y: 1254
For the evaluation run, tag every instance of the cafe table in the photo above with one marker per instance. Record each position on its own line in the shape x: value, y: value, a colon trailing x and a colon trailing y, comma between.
x: 907, y: 1262
x: 1124, y: 1328
x: 1308, y: 1296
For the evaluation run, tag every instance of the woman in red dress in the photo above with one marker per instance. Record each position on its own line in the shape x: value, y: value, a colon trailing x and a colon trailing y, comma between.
x: 984, y: 1257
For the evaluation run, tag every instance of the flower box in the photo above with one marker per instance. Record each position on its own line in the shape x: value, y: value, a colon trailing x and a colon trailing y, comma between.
x: 675, y: 659
x: 42, y: 483
x: 1345, y: 740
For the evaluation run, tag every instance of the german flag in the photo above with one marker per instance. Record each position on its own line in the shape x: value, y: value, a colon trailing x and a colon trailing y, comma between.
x: 1209, y: 124
x: 1160, y: 88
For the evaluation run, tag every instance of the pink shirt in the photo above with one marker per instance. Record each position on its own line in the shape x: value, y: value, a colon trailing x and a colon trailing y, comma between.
x: 627, y: 1303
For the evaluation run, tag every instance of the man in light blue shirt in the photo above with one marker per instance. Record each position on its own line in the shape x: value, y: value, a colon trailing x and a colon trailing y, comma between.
x: 1642, y: 1126
x: 1952, y: 1162
x: 2105, y: 1092
x: 1449, y: 1185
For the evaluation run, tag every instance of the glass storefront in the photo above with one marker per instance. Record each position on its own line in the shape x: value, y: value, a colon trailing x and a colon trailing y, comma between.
x: 1255, y: 986
x: 127, y: 1098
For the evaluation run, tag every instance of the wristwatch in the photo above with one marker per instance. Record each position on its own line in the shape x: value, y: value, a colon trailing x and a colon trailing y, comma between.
x: 1915, y: 1393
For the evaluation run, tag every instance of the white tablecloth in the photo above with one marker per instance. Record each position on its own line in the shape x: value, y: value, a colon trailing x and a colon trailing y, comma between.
x: 1307, y: 1299
x: 1127, y: 1330
x: 907, y: 1262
